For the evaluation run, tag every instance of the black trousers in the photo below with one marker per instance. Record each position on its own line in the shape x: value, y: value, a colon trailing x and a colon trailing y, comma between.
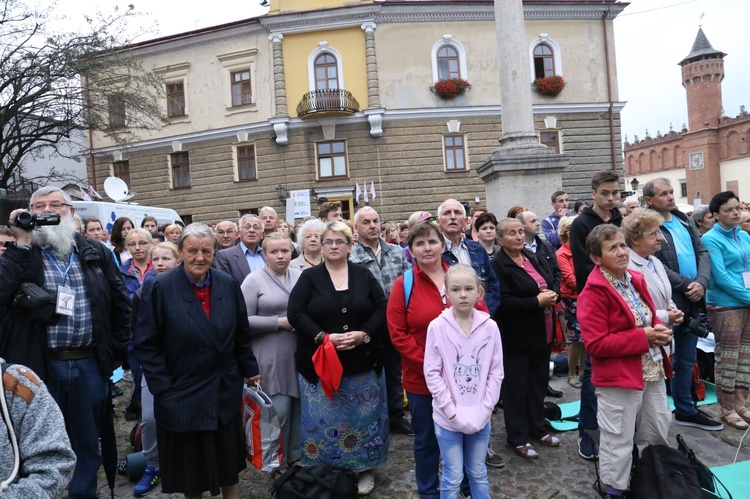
x: 394, y: 388
x: 524, y: 388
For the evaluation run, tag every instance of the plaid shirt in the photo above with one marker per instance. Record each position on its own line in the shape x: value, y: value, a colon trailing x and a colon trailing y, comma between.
x: 76, y: 331
x: 392, y: 262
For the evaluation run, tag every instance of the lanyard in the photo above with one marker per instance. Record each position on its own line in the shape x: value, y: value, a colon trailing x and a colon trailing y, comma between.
x: 632, y: 296
x: 739, y: 244
x: 64, y: 275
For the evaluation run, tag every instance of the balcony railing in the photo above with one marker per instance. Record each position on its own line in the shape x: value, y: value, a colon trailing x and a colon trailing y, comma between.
x: 333, y: 102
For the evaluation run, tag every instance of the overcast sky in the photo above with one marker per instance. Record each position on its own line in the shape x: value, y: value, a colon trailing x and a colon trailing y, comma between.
x: 652, y: 37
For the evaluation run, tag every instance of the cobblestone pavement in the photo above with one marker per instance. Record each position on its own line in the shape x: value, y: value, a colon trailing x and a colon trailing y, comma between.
x: 559, y: 472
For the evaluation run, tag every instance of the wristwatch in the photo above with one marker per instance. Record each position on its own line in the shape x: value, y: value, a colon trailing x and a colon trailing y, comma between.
x: 365, y: 337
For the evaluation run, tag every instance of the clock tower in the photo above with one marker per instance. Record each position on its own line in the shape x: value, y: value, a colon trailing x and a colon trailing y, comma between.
x: 702, y: 73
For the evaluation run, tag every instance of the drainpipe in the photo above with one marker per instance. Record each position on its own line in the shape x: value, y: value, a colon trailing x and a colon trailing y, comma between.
x: 609, y: 92
x: 91, y: 134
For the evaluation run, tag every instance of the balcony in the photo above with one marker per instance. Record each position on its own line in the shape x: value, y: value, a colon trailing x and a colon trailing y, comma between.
x: 324, y: 103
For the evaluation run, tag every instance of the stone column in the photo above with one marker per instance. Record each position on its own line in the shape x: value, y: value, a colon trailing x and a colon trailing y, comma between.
x: 374, y: 111
x: 522, y: 170
x: 280, y: 121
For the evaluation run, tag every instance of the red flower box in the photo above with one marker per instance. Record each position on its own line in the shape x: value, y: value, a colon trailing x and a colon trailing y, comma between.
x: 551, y: 86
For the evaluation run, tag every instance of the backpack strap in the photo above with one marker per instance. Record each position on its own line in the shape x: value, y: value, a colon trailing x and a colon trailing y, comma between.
x: 408, y: 285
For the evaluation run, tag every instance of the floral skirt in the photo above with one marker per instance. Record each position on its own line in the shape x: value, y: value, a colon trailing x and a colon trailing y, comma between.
x: 350, y: 431
x: 569, y: 306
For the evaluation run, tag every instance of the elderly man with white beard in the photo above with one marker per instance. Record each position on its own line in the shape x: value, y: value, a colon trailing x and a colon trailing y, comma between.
x: 67, y: 328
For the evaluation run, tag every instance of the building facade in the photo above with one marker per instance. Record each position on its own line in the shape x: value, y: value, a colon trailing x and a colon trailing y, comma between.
x: 321, y: 95
x: 709, y: 154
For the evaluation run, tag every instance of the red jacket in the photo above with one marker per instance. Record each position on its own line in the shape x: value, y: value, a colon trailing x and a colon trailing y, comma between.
x: 608, y: 328
x: 568, y: 287
x: 408, y: 328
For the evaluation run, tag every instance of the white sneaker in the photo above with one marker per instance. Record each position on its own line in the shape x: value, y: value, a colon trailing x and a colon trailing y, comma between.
x: 366, y: 482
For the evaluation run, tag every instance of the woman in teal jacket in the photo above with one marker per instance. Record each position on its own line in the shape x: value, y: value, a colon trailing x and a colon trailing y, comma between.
x: 728, y: 306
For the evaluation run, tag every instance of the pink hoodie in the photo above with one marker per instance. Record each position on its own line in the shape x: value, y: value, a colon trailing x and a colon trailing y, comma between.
x: 463, y: 373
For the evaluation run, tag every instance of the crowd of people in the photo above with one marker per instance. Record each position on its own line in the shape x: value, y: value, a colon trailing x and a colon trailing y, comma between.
x: 347, y: 323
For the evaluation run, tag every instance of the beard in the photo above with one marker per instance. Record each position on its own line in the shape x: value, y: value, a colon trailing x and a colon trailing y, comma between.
x: 57, y: 239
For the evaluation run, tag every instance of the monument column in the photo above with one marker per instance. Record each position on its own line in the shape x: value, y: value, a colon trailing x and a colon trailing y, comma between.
x: 522, y: 170
x: 280, y: 120
x: 374, y: 111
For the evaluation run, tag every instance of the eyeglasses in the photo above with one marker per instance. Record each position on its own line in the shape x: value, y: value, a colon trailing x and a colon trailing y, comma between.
x: 337, y: 242
x: 54, y: 205
x: 655, y: 233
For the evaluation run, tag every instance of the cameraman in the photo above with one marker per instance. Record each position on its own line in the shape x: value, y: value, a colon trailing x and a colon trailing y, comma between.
x: 66, y: 324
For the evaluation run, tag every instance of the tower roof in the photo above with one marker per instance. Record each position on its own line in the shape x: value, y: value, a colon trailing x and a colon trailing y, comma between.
x: 701, y: 47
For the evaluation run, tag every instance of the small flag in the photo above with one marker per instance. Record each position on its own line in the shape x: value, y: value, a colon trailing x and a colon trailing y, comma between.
x: 364, y: 184
x: 357, y: 192
x: 94, y: 193
x: 372, y: 190
x: 85, y: 196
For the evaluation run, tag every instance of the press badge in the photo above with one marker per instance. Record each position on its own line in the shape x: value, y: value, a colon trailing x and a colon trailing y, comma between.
x: 655, y: 353
x: 746, y: 279
x: 66, y: 300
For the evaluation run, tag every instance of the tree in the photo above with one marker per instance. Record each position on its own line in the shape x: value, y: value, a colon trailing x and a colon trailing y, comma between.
x: 55, y: 84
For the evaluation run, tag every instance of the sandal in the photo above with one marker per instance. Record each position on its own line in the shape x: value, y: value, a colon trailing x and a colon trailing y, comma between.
x: 734, y: 420
x: 744, y: 413
x: 527, y: 451
x: 547, y: 440
x: 574, y: 382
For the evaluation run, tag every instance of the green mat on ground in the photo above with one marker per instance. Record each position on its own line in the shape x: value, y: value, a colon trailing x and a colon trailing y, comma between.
x: 735, y: 477
x: 571, y: 409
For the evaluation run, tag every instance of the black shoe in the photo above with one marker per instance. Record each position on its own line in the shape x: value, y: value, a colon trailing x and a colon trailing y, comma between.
x: 587, y: 447
x: 402, y: 427
x: 551, y: 392
x: 493, y: 459
x: 698, y: 420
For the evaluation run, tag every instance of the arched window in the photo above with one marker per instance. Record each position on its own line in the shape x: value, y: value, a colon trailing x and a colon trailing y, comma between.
x: 544, y: 61
x: 326, y: 72
x: 448, y: 63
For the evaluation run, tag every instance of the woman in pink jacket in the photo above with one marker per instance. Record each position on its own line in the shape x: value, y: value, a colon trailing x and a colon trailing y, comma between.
x: 463, y: 367
x: 625, y: 340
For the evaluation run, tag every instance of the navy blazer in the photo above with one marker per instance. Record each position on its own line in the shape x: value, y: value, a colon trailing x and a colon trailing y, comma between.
x: 233, y: 262
x: 194, y: 364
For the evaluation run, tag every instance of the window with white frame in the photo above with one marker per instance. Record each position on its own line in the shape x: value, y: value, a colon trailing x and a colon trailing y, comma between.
x: 244, y: 162
x: 454, y: 151
x: 324, y: 68
x: 550, y: 138
x: 331, y: 159
x: 179, y: 170
x: 176, y: 87
x: 239, y: 81
x: 448, y: 59
x: 544, y: 57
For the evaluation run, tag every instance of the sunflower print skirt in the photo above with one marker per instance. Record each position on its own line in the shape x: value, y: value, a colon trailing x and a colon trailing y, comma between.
x: 350, y: 431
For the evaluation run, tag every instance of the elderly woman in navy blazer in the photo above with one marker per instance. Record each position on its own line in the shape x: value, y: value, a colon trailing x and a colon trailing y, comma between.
x: 193, y: 341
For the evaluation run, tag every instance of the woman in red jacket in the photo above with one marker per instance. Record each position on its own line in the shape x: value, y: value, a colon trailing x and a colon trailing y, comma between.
x: 569, y: 295
x: 407, y: 324
x: 625, y: 340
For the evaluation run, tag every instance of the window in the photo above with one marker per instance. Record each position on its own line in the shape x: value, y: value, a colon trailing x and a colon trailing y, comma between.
x: 550, y: 139
x: 242, y: 93
x: 116, y: 107
x: 121, y: 170
x: 544, y: 61
x: 331, y: 159
x: 683, y: 188
x: 455, y: 153
x: 180, y: 168
x: 448, y: 63
x: 175, y: 99
x: 246, y: 163
x: 326, y: 72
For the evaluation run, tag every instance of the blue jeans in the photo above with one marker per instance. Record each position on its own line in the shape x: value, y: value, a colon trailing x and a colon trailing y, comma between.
x: 683, y: 359
x: 462, y: 452
x: 587, y: 416
x: 81, y: 391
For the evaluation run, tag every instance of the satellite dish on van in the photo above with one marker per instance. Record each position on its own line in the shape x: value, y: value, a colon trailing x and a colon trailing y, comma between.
x: 117, y: 189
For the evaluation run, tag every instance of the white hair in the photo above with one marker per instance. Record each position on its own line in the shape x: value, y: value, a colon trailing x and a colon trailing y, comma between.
x: 364, y: 208
x: 197, y: 229
x: 46, y: 191
x: 249, y: 215
x: 268, y: 208
x: 440, y: 208
x: 313, y: 223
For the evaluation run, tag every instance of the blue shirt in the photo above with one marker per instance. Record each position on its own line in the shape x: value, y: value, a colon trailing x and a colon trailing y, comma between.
x: 683, y: 248
x: 730, y: 258
x: 255, y: 259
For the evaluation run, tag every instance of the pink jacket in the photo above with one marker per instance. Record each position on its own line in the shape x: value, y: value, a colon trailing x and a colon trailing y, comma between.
x: 463, y: 373
x: 608, y: 328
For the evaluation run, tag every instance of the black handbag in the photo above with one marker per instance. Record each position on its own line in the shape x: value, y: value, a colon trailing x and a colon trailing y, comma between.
x: 322, y: 481
x: 710, y: 484
x: 39, y: 301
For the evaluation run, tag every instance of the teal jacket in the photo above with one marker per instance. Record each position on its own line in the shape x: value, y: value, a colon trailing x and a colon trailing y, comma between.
x: 730, y: 257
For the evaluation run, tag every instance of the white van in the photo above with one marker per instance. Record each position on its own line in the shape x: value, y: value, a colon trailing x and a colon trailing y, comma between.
x: 109, y: 212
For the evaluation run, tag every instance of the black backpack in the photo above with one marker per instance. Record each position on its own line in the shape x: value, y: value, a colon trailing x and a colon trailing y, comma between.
x: 322, y: 481
x: 663, y: 473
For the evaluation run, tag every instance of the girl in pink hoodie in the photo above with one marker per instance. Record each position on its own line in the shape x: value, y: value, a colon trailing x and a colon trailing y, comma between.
x: 463, y: 367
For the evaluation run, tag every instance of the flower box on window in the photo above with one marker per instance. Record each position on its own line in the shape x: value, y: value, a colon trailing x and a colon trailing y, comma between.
x: 448, y: 89
x: 550, y: 86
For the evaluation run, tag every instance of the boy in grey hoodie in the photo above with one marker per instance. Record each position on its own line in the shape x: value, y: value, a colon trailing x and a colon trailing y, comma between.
x: 36, y: 459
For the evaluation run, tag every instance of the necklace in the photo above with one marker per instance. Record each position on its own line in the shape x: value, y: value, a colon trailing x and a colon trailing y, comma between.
x: 311, y: 264
x: 339, y: 286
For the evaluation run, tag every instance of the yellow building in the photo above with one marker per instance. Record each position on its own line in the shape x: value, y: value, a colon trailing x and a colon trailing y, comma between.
x: 323, y: 96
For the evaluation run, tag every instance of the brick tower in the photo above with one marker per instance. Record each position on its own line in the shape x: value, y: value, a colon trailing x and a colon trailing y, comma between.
x: 702, y: 73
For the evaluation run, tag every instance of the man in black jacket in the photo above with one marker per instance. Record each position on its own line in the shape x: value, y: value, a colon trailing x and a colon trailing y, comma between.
x: 688, y: 267
x: 71, y: 341
x: 605, y: 190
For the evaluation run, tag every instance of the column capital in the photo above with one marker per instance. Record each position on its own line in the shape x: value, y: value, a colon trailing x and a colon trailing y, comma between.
x: 276, y: 37
x: 369, y: 27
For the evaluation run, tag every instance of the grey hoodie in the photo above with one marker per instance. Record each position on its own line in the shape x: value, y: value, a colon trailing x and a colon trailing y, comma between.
x: 45, y: 461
